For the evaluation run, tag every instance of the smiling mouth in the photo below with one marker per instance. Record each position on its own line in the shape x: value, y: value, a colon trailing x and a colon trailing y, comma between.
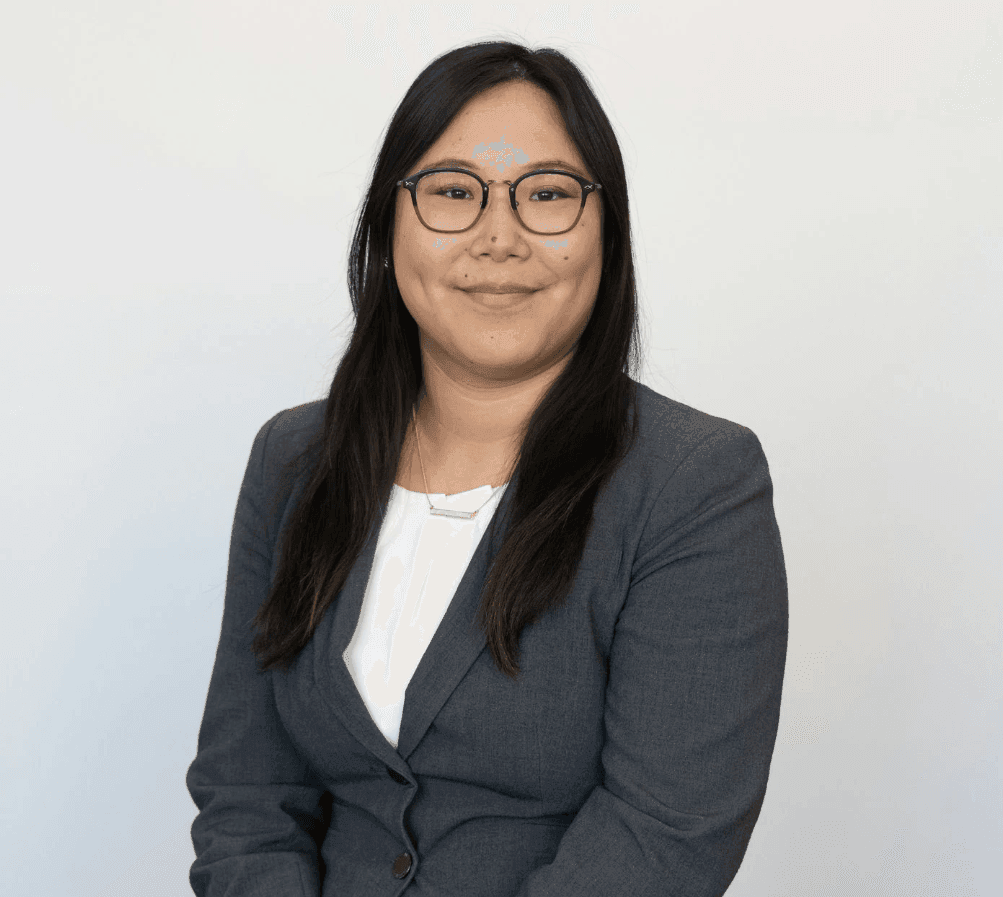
x: 499, y: 291
x: 499, y: 300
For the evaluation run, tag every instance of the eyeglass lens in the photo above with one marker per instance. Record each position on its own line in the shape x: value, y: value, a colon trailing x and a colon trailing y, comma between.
x: 450, y: 200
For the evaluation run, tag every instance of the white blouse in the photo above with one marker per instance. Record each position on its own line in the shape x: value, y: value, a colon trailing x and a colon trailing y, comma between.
x: 419, y: 562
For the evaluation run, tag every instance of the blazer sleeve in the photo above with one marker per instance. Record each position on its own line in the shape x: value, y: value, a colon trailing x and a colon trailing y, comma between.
x: 693, y: 695
x: 259, y: 807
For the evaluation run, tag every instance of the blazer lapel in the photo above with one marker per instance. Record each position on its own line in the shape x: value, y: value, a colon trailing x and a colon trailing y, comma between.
x: 456, y: 644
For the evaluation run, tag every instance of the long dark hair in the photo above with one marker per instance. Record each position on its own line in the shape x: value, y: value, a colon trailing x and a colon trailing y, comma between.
x: 572, y: 443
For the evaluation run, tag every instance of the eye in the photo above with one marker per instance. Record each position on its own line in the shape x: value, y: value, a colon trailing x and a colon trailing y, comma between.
x: 446, y: 191
x: 550, y: 191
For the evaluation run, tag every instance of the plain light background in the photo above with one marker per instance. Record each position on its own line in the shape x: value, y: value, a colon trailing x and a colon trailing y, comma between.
x: 816, y: 196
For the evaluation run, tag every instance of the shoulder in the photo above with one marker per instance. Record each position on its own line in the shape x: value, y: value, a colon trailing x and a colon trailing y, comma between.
x: 669, y: 432
x: 285, y: 440
x: 697, y: 487
x: 287, y: 433
x: 683, y: 459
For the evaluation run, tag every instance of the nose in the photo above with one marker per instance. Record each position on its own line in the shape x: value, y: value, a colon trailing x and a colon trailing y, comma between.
x: 498, y: 196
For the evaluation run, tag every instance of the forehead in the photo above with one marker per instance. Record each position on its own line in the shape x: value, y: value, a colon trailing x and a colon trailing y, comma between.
x: 509, y: 127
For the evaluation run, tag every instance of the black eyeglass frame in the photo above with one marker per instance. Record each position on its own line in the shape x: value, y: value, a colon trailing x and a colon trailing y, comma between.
x: 411, y: 183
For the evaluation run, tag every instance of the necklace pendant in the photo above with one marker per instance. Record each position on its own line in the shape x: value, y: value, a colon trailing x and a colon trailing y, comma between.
x: 449, y: 512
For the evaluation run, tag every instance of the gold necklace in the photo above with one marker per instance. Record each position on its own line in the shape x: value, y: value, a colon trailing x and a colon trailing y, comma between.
x: 442, y: 512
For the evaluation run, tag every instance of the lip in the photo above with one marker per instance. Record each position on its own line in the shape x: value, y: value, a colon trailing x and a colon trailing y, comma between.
x: 499, y: 289
x: 495, y: 301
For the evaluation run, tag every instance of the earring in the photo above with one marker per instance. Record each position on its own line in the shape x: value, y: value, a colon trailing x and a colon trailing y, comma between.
x: 386, y: 264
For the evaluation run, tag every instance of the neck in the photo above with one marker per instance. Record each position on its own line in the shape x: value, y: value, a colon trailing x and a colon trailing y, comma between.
x: 470, y: 429
x: 476, y: 421
x: 452, y: 468
x: 460, y: 424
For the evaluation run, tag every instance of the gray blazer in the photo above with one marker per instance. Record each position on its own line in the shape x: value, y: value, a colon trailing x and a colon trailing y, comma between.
x: 631, y: 757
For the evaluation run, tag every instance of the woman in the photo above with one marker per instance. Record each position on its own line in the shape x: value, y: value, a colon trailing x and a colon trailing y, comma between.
x: 499, y: 620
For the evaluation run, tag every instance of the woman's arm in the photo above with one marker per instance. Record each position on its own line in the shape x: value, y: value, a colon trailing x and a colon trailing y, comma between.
x: 260, y: 817
x: 693, y: 697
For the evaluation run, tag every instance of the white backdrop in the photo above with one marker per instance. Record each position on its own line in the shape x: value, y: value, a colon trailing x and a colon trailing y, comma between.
x: 816, y: 198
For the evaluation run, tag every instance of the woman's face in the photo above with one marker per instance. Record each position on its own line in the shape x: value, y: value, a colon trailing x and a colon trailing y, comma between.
x: 489, y: 339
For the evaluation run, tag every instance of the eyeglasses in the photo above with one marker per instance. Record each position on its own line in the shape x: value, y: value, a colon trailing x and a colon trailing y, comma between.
x: 446, y: 199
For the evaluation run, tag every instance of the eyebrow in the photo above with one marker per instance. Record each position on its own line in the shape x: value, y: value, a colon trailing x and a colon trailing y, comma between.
x: 546, y: 163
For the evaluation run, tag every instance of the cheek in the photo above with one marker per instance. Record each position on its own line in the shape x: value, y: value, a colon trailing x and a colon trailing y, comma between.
x: 578, y: 251
x: 573, y: 260
x: 422, y: 247
x: 442, y: 243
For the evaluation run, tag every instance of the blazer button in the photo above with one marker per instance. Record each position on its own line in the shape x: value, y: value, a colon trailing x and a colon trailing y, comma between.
x: 402, y: 865
x: 396, y: 776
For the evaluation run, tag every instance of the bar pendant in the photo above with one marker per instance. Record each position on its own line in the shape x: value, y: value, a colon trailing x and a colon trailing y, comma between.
x: 448, y: 512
